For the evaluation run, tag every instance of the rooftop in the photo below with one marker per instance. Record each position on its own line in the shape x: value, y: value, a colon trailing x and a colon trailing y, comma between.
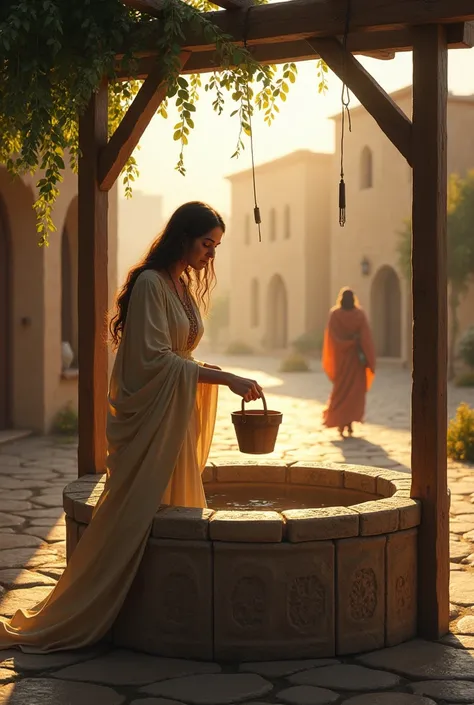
x: 299, y: 155
x: 404, y: 93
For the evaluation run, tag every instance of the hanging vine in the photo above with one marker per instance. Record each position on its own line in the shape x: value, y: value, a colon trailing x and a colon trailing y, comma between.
x: 53, y: 54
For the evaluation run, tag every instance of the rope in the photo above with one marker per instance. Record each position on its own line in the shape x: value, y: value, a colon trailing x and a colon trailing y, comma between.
x: 256, y: 210
x: 345, y: 112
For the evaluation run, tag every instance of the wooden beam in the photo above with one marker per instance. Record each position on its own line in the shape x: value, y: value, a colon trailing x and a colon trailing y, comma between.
x: 92, y: 289
x: 301, y: 19
x: 429, y: 392
x: 467, y: 40
x: 115, y: 154
x: 389, y: 117
x: 155, y: 7
x: 372, y: 44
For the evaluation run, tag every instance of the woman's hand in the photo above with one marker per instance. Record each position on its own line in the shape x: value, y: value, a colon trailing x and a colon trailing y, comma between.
x: 248, y: 389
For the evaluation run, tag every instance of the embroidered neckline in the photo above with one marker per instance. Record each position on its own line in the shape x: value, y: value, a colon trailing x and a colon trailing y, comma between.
x: 190, y: 312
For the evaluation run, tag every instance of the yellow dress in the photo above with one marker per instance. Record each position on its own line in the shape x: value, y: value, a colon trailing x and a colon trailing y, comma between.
x: 159, y: 431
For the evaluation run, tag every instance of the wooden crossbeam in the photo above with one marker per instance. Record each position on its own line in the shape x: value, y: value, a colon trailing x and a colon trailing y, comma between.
x: 459, y: 35
x: 134, y: 123
x: 155, y: 7
x: 390, y: 118
x: 301, y: 19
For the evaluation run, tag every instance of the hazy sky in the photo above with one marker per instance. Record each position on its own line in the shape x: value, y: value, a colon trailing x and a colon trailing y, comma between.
x: 302, y: 124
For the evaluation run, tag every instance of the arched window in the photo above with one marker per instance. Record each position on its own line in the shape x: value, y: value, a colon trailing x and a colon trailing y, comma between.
x: 277, y: 314
x: 287, y: 223
x: 254, y: 304
x: 366, y: 169
x: 247, y: 230
x: 273, y: 225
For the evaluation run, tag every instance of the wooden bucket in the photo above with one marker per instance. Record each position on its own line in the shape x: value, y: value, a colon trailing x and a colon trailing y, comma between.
x: 256, y: 430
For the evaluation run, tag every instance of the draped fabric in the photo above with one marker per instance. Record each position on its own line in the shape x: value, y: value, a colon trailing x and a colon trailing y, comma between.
x: 347, y: 335
x: 159, y: 430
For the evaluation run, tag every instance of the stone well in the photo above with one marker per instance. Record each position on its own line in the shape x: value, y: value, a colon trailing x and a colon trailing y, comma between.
x: 262, y: 585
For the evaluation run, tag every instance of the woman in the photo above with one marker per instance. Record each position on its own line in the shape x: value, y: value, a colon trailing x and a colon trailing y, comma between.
x: 349, y: 362
x: 162, y: 408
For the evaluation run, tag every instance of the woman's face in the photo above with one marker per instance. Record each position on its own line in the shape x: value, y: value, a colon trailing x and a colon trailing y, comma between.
x: 203, y: 249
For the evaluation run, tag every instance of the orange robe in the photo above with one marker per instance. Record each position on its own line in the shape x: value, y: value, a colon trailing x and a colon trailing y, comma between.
x: 341, y: 361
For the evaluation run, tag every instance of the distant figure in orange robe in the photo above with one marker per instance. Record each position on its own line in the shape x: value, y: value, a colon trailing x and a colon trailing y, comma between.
x: 349, y: 362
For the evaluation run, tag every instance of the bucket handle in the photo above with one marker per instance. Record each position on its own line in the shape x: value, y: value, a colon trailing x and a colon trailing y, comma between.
x: 265, y: 409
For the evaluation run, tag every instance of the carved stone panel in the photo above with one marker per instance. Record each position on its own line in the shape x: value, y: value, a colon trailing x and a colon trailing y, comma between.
x: 360, y: 594
x: 306, y: 602
x: 401, y: 620
x: 168, y: 610
x: 273, y: 600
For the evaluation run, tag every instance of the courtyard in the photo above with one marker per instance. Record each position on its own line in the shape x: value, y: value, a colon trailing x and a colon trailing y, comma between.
x: 34, y: 471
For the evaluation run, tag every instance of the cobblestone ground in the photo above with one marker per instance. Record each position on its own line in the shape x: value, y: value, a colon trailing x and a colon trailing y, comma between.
x: 33, y: 472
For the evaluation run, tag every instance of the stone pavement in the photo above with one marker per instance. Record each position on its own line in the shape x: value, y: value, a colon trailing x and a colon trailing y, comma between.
x: 33, y: 473
x: 383, y: 441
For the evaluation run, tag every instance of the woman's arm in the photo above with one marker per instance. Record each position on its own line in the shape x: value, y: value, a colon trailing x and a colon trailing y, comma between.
x: 249, y: 389
x: 208, y: 375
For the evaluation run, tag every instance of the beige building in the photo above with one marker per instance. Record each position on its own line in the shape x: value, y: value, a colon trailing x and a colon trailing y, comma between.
x: 38, y: 304
x: 285, y: 286
x: 280, y: 286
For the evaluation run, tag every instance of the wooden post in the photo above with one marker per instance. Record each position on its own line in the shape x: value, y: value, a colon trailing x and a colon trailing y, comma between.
x: 93, y: 288
x: 429, y: 403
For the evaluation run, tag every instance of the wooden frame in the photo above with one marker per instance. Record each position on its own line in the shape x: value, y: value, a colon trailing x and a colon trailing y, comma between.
x: 298, y: 30
x: 301, y: 19
x: 155, y: 7
x: 380, y: 45
x: 93, y: 294
x: 429, y: 282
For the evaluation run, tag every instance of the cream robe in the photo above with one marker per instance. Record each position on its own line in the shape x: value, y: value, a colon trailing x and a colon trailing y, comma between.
x: 159, y: 430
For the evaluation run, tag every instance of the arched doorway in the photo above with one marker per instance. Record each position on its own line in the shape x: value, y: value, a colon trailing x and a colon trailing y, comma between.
x: 366, y: 168
x: 277, y: 322
x: 386, y: 308
x: 5, y: 338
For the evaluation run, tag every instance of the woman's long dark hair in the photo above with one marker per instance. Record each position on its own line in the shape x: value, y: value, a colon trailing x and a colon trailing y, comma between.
x: 189, y: 222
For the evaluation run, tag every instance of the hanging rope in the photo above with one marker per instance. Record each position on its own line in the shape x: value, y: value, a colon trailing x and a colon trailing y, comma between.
x: 256, y: 210
x: 345, y: 112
